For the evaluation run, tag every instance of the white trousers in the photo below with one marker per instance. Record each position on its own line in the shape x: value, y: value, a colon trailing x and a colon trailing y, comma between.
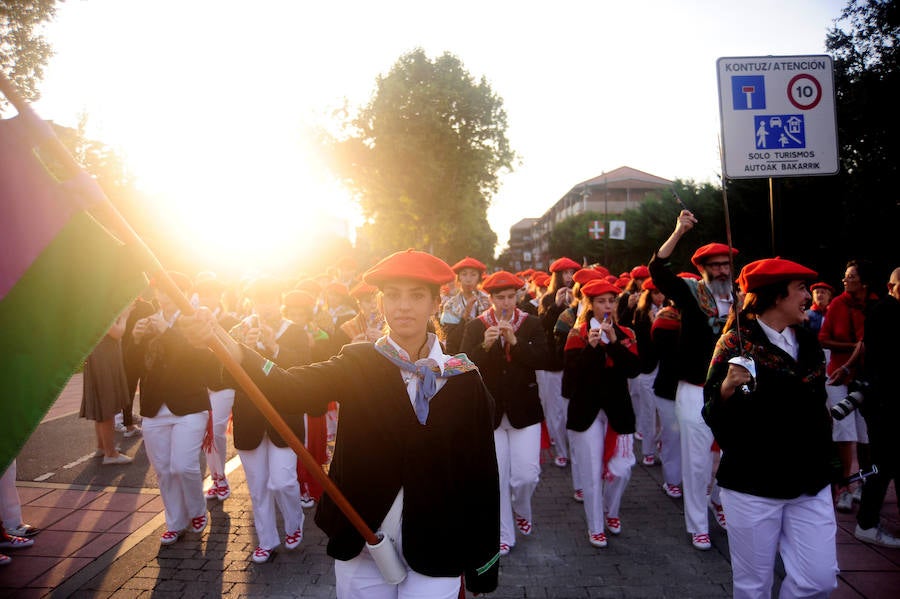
x: 221, y: 402
x: 802, y: 530
x: 359, y: 578
x: 602, y: 498
x: 696, y: 458
x: 670, y: 440
x: 645, y: 399
x: 519, y: 464
x: 173, y: 447
x: 271, y: 473
x: 10, y: 505
x: 555, y: 406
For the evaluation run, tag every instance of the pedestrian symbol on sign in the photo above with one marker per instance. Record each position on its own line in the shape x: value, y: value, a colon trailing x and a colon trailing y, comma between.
x: 748, y: 92
x: 779, y: 131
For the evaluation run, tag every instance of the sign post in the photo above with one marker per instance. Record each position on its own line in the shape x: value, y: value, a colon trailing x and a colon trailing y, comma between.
x: 778, y: 116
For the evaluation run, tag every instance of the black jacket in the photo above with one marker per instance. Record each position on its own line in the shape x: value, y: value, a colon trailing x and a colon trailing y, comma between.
x: 776, y: 441
x: 249, y: 423
x: 592, y: 383
x: 447, y: 468
x: 512, y: 384
x: 174, y: 373
x: 697, y: 338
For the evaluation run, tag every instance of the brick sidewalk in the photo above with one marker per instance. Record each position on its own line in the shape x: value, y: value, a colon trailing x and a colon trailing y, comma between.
x: 105, y: 543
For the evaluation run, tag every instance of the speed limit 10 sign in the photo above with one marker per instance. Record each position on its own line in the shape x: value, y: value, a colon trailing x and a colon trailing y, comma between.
x: 778, y: 116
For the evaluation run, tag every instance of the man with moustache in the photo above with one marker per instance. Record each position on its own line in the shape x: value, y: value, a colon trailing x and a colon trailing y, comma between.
x: 704, y: 307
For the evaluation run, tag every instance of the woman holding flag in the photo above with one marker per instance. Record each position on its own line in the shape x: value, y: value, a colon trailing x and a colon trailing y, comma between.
x: 772, y: 508
x: 414, y: 453
x: 508, y: 345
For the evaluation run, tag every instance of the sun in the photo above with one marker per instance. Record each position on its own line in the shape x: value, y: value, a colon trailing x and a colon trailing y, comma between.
x: 246, y: 199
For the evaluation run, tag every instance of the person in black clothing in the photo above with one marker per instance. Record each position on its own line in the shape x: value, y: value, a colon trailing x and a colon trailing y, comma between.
x: 553, y: 303
x: 600, y: 356
x: 508, y: 345
x: 772, y: 508
x: 175, y: 382
x: 414, y: 452
x: 881, y: 407
x: 269, y: 464
x: 704, y: 306
x: 650, y: 301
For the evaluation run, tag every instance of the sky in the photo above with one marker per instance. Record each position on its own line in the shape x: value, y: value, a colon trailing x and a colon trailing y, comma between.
x: 212, y: 102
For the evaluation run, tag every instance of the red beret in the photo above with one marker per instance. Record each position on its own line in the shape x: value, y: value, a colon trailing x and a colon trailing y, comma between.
x: 501, y: 280
x: 625, y: 275
x: 564, y: 264
x: 649, y: 284
x: 599, y: 287
x: 611, y: 279
x: 363, y: 289
x: 689, y: 275
x: 468, y: 262
x: 640, y: 272
x: 709, y: 250
x: 541, y: 279
x: 772, y: 270
x: 411, y: 264
x: 602, y: 270
x: 526, y: 273
x: 821, y: 285
x: 586, y: 274
x: 622, y: 282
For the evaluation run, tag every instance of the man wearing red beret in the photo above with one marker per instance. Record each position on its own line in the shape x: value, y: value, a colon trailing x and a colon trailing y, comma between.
x: 704, y: 306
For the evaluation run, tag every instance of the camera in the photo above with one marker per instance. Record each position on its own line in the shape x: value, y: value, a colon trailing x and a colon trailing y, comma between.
x: 857, y: 393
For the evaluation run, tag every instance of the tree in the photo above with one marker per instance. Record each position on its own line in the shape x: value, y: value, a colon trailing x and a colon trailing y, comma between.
x: 865, y: 44
x: 23, y: 52
x: 424, y: 157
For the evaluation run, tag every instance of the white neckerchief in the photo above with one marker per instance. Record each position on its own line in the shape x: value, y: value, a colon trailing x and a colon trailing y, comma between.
x: 786, y: 339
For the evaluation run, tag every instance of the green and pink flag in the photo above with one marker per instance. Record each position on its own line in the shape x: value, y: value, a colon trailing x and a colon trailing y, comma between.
x: 63, y: 277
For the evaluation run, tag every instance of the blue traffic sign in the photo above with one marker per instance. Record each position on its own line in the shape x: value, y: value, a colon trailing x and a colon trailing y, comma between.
x: 748, y: 92
x: 779, y: 131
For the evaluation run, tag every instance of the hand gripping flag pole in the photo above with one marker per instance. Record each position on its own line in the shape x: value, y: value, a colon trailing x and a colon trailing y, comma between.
x: 109, y: 216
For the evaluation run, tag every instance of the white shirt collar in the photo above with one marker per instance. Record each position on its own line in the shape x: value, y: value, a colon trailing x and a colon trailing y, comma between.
x: 786, y: 339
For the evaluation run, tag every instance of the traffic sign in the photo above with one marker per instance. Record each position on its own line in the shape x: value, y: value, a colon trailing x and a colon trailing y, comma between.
x: 778, y: 116
x: 804, y: 91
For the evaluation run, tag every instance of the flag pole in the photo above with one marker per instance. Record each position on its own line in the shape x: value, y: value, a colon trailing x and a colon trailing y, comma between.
x: 112, y: 219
